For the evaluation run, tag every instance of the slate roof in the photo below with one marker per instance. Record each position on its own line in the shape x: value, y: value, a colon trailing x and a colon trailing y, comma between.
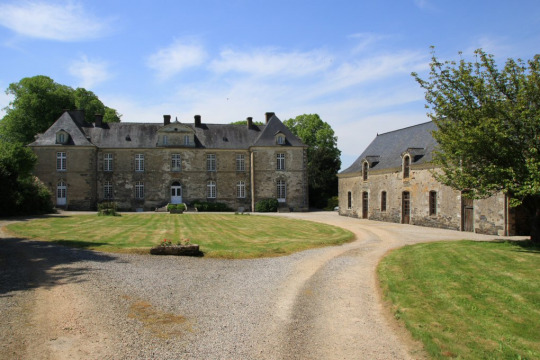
x: 386, y: 149
x: 145, y: 135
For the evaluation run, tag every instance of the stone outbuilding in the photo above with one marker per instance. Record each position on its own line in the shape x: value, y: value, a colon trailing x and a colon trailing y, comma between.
x: 142, y: 166
x: 392, y: 180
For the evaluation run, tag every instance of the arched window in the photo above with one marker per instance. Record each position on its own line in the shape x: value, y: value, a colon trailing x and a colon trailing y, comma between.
x: 406, y: 166
x: 365, y: 168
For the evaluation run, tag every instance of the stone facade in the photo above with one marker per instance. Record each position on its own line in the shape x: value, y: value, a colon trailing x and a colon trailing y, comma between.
x: 145, y: 166
x: 379, y: 187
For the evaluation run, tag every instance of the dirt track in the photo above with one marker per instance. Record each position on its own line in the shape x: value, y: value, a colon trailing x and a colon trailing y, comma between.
x: 59, y: 303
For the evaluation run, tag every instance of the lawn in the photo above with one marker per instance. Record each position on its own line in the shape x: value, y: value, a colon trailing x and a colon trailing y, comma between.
x: 467, y: 300
x: 219, y: 235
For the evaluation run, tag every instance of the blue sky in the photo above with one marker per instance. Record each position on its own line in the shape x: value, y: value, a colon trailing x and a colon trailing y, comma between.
x: 348, y: 61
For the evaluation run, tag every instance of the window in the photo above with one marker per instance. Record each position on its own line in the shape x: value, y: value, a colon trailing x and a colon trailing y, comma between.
x: 365, y: 204
x: 211, y: 162
x: 139, y: 190
x: 107, y: 190
x: 383, y: 201
x: 165, y: 140
x: 281, y: 140
x: 211, y: 190
x: 61, y: 158
x: 108, y: 162
x: 281, y: 190
x: 61, y: 193
x: 240, y: 189
x: 406, y: 166
x: 365, y: 170
x: 349, y: 200
x: 186, y: 139
x: 240, y: 163
x: 176, y: 162
x: 432, y: 203
x: 61, y: 138
x: 280, y: 161
x: 139, y: 162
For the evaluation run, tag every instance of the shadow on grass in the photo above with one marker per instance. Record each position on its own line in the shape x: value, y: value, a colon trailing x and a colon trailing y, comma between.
x: 28, y: 264
x: 521, y: 245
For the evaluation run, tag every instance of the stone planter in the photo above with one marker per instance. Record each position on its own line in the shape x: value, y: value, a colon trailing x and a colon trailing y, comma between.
x: 179, y: 250
x: 174, y: 211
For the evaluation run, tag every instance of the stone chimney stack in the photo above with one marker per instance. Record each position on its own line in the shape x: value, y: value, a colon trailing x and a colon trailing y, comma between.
x: 249, y: 122
x: 99, y: 120
x: 268, y: 116
x: 166, y: 119
x: 198, y: 122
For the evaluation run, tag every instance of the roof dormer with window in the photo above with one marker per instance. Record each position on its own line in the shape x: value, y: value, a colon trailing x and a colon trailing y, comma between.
x: 62, y: 137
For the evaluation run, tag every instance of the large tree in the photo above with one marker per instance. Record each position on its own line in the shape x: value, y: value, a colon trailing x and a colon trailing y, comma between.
x: 488, y: 128
x: 322, y: 155
x: 38, y: 101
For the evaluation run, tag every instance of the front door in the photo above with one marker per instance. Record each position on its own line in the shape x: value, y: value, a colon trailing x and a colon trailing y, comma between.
x: 176, y: 193
x: 365, y: 207
x: 467, y: 209
x: 61, y: 190
x: 406, y: 208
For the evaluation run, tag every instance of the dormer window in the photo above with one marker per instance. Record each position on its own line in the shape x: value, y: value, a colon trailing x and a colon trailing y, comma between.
x: 280, y: 140
x: 165, y: 140
x: 62, y: 137
x: 406, y: 166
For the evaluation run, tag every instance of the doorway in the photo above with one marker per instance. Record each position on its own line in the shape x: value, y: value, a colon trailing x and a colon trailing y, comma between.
x: 176, y: 193
x: 467, y: 212
x: 61, y: 194
x: 406, y: 208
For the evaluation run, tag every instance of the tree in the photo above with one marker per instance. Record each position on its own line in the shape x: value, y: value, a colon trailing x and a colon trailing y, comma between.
x: 322, y: 155
x: 39, y: 101
x: 244, y: 122
x: 488, y: 123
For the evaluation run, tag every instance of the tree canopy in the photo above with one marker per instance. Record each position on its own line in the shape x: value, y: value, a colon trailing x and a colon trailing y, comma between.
x: 488, y: 123
x: 39, y: 101
x: 323, y: 156
x: 244, y: 122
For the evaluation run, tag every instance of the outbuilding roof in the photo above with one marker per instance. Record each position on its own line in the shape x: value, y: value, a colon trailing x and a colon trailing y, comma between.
x: 386, y: 150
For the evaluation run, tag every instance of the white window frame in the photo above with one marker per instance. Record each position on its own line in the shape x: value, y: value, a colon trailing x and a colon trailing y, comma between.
x: 281, y: 189
x: 176, y: 162
x: 241, y: 190
x: 61, y: 161
x: 210, y: 162
x: 108, y: 162
x: 108, y: 190
x: 61, y: 190
x: 165, y: 140
x: 281, y: 140
x: 61, y: 138
x: 139, y: 190
x: 211, y: 191
x: 280, y: 161
x: 186, y: 139
x: 139, y: 162
x: 240, y: 162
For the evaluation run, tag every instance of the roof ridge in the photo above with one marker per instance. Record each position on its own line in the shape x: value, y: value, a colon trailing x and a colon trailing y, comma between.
x: 406, y: 127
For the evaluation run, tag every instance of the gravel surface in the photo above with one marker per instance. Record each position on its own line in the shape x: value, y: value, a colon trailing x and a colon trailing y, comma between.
x: 62, y: 303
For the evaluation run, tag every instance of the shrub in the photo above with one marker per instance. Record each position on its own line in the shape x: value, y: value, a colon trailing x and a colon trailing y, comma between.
x: 210, y: 206
x: 107, y: 208
x: 180, y: 207
x: 332, y: 203
x: 267, y: 205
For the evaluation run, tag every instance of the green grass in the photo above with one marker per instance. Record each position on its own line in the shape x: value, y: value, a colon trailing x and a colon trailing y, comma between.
x: 219, y: 235
x: 467, y: 300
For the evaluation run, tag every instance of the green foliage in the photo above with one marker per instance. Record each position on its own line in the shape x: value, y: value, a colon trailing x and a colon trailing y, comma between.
x: 488, y: 127
x: 179, y: 207
x: 21, y: 193
x: 332, y: 203
x: 267, y: 205
x: 467, y: 300
x: 107, y: 208
x: 323, y: 156
x: 244, y: 122
x: 210, y: 206
x: 39, y: 101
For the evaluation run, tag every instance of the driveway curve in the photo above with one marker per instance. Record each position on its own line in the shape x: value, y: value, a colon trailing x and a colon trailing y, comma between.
x: 62, y: 303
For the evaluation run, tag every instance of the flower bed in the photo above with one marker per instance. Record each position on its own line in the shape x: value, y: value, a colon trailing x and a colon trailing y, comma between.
x: 179, y: 250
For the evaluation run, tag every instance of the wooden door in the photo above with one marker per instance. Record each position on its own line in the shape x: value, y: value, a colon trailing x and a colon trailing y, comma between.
x: 365, y: 205
x: 467, y: 210
x: 406, y: 208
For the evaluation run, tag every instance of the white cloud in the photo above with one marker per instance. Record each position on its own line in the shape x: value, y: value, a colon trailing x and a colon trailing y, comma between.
x: 176, y: 58
x: 89, y: 73
x: 38, y: 19
x: 270, y: 62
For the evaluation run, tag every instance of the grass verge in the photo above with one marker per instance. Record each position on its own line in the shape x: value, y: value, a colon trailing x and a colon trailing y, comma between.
x: 467, y: 300
x: 219, y: 235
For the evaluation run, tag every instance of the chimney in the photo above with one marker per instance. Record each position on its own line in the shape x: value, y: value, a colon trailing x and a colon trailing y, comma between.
x: 166, y: 119
x: 268, y: 116
x: 249, y: 122
x: 198, y: 121
x: 99, y: 120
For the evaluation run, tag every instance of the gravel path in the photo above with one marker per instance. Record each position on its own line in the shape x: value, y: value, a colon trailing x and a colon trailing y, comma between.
x: 62, y: 303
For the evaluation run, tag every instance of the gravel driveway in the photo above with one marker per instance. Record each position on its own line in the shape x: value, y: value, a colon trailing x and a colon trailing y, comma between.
x: 62, y: 303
